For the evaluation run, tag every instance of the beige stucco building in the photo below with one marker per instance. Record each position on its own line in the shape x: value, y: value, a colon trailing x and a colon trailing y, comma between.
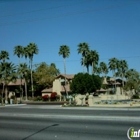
x: 60, y: 86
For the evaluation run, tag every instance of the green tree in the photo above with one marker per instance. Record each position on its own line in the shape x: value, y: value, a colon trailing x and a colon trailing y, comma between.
x: 19, y: 51
x: 113, y: 65
x: 86, y: 62
x: 4, y: 55
x: 30, y: 51
x: 103, y: 69
x: 24, y: 71
x: 84, y: 83
x: 65, y: 52
x: 83, y: 48
x: 55, y: 71
x: 93, y: 58
x: 132, y: 81
x: 122, y: 69
x: 8, y: 74
x: 44, y: 75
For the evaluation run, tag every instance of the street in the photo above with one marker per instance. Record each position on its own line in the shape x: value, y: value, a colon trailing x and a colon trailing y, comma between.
x: 55, y: 123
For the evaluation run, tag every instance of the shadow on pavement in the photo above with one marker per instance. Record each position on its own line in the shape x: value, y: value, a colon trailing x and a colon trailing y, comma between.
x: 39, y: 131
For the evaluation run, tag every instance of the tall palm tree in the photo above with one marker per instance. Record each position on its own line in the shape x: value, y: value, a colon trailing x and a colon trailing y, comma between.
x: 31, y: 50
x: 122, y: 69
x: 86, y: 62
x: 18, y: 50
x: 104, y: 68
x: 65, y: 52
x: 94, y: 58
x: 113, y: 65
x: 23, y: 70
x: 4, y: 55
x: 8, y: 74
x: 83, y: 48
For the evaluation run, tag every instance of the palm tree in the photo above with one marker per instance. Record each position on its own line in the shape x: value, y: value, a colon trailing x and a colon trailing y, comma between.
x: 65, y: 52
x: 23, y: 70
x: 31, y: 49
x: 103, y: 68
x: 19, y: 51
x: 122, y: 69
x: 8, y: 74
x: 86, y: 62
x: 4, y: 55
x: 113, y: 65
x: 83, y: 48
x: 132, y: 80
x: 93, y: 58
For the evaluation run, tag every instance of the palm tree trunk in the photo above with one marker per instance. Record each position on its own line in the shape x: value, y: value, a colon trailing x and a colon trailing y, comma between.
x: 92, y: 68
x: 26, y: 90
x: 6, y: 90
x: 21, y: 88
x: 65, y: 75
x: 83, y: 64
x: 2, y: 91
x: 32, y: 81
x: 122, y: 84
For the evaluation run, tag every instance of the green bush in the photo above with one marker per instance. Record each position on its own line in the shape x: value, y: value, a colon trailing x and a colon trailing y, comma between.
x: 38, y: 98
x: 135, y: 97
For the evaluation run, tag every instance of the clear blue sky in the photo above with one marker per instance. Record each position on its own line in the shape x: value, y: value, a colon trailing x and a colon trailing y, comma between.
x: 111, y: 27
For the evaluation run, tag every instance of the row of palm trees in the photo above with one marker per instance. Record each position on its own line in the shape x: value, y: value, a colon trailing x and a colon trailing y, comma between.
x: 89, y: 58
x: 9, y: 72
x: 28, y: 52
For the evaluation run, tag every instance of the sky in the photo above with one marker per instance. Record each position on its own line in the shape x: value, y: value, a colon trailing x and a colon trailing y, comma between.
x: 111, y: 27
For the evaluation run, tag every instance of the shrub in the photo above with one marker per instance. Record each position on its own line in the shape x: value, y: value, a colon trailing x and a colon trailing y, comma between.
x: 135, y: 97
x: 58, y: 97
x: 45, y: 97
x: 53, y: 96
x: 38, y: 98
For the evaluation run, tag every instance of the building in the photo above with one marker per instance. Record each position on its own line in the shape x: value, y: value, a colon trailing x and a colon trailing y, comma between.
x: 61, y: 87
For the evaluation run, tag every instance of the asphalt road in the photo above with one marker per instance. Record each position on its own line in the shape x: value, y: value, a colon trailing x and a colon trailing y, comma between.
x: 43, y: 123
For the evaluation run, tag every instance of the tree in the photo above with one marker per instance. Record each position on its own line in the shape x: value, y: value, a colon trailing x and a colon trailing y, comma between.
x: 4, y: 55
x: 122, y: 69
x: 19, y: 51
x: 43, y: 76
x: 65, y: 52
x: 8, y: 74
x: 84, y: 83
x: 55, y: 71
x: 83, y: 48
x: 30, y: 50
x: 103, y: 68
x: 132, y: 81
x: 86, y: 62
x: 93, y: 58
x: 23, y: 71
x: 113, y: 65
